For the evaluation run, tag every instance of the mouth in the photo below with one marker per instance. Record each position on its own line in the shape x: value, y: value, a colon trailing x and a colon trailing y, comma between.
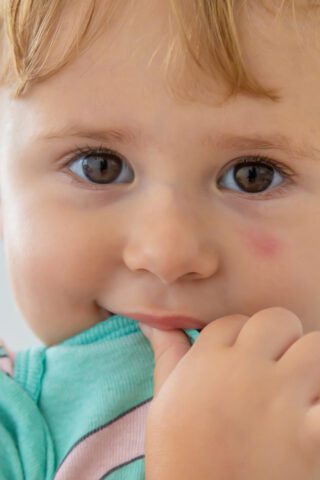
x: 168, y: 322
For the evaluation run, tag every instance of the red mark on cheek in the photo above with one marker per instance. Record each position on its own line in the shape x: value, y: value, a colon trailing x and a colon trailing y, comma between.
x: 262, y: 243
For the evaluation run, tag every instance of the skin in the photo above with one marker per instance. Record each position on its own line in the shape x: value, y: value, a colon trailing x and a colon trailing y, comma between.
x: 169, y: 241
x: 263, y: 244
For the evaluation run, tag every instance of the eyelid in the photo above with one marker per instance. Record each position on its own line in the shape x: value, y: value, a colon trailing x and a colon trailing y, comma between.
x: 261, y: 159
x: 100, y: 149
x: 80, y: 152
x: 287, y: 173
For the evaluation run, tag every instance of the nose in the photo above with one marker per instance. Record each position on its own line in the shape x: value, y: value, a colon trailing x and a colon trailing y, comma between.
x: 169, y: 239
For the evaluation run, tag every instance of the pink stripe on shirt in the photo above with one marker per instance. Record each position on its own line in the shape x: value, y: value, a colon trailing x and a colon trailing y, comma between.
x: 107, y: 448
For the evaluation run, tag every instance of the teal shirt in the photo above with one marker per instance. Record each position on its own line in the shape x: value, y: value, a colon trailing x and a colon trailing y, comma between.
x: 77, y: 410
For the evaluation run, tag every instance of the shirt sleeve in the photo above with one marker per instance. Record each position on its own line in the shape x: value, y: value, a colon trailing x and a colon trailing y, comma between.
x: 26, y: 447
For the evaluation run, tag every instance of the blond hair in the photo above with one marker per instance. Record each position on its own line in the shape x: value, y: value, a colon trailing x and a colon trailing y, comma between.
x: 207, y: 31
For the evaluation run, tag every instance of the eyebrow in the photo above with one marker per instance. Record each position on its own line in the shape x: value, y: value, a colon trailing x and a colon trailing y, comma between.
x: 255, y: 141
x: 121, y: 135
x: 275, y: 141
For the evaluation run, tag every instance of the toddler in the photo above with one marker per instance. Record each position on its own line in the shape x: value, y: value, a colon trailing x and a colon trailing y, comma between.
x: 159, y: 165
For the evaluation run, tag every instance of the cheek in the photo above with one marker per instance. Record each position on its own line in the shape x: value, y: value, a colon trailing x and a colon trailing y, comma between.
x: 262, y: 243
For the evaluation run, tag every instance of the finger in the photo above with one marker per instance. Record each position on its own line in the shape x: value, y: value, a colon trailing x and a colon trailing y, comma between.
x: 270, y: 332
x: 301, y: 365
x: 169, y: 346
x: 221, y: 332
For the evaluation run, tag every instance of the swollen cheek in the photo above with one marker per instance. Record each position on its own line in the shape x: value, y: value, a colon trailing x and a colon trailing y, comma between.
x: 262, y: 243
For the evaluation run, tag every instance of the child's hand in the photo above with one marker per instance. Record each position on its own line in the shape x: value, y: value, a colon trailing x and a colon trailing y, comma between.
x: 240, y: 404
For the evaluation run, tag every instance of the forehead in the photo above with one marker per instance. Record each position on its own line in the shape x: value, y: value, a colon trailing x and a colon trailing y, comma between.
x: 120, y: 75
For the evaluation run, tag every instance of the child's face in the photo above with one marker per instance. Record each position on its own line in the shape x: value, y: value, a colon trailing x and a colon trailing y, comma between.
x: 162, y: 236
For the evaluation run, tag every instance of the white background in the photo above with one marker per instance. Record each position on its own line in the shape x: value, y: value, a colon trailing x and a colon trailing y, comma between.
x: 13, y: 329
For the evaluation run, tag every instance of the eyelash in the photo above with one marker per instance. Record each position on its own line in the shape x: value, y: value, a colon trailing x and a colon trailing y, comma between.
x: 288, y: 175
x: 258, y: 159
x: 88, y: 150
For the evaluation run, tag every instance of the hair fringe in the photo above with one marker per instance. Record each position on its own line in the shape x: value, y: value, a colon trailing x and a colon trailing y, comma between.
x: 207, y: 33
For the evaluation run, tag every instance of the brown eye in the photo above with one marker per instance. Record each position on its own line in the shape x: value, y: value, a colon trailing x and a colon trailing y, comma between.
x: 252, y: 176
x: 99, y: 167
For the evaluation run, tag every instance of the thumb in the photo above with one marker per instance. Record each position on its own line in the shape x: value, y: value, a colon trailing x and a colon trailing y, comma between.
x: 169, y: 346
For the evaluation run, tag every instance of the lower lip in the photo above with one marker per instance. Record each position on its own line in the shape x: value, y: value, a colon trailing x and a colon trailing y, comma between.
x: 166, y: 323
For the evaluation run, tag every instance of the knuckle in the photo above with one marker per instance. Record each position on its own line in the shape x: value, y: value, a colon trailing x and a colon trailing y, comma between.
x: 285, y: 312
x: 223, y: 322
x: 279, y: 315
x: 312, y: 339
x: 221, y: 331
